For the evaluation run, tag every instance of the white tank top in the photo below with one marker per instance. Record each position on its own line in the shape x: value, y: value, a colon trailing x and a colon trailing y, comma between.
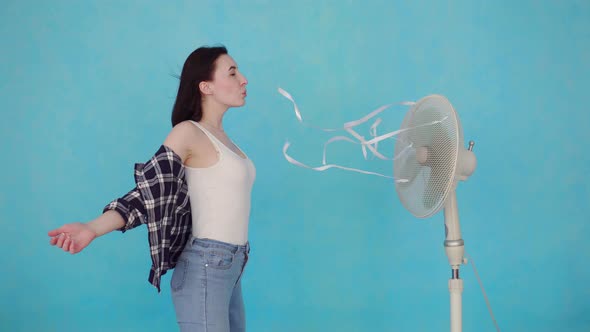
x: 220, y: 195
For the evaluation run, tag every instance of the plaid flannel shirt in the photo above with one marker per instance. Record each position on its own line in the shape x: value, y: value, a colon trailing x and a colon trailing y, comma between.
x: 160, y: 200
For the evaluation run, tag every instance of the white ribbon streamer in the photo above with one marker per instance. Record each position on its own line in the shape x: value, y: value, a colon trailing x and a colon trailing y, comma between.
x: 370, y: 145
x: 328, y: 166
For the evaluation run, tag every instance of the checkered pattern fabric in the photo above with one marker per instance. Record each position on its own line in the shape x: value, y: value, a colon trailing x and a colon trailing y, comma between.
x: 160, y: 200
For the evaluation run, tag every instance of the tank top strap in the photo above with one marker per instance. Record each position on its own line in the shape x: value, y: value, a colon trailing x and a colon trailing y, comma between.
x: 212, y: 137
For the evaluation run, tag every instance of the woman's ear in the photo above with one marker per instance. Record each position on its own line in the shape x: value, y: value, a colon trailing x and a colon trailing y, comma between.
x: 205, y: 88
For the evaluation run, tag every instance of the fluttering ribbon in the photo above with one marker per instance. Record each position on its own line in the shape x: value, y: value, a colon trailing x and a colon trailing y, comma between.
x: 370, y: 145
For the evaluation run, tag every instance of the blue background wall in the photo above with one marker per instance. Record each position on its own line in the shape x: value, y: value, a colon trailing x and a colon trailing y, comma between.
x: 86, y: 91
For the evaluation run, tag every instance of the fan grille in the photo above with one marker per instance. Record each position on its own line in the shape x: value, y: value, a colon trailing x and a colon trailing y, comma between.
x: 435, y: 135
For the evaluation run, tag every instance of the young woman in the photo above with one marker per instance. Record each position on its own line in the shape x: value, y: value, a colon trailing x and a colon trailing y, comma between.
x: 194, y: 196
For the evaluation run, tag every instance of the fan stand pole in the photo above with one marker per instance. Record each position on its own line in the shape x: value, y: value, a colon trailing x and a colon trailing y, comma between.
x: 456, y: 288
x: 455, y: 249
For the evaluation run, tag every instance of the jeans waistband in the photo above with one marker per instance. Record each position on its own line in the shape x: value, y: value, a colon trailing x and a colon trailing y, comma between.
x: 210, y: 243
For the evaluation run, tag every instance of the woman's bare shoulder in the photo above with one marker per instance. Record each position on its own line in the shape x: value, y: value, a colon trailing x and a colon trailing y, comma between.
x: 183, y: 138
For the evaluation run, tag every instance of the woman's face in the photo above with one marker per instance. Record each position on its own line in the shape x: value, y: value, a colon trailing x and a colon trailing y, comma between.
x: 228, y: 86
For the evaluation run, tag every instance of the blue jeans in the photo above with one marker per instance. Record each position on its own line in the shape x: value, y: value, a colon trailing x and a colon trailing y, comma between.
x: 206, y: 286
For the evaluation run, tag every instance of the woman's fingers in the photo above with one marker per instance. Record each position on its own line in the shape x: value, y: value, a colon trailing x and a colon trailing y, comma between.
x: 66, y: 244
x: 64, y: 241
x: 55, y: 232
x: 60, y: 240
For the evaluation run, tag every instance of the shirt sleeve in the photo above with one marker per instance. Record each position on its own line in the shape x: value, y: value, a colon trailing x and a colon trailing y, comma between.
x: 158, y: 182
x: 131, y: 208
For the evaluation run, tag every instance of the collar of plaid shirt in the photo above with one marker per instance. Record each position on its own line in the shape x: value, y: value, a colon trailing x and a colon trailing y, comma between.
x: 160, y: 200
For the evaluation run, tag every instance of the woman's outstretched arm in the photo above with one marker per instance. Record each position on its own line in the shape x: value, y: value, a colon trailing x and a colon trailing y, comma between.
x: 76, y: 236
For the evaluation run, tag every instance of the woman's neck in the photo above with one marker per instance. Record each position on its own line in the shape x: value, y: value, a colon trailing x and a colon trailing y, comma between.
x: 213, y: 114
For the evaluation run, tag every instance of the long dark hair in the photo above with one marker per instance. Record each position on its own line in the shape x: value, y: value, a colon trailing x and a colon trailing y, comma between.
x: 198, y: 67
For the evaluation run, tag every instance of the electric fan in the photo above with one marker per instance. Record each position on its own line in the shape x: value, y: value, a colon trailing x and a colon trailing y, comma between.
x: 432, y: 159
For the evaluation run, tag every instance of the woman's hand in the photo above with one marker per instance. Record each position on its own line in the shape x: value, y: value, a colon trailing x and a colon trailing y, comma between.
x: 72, y: 237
